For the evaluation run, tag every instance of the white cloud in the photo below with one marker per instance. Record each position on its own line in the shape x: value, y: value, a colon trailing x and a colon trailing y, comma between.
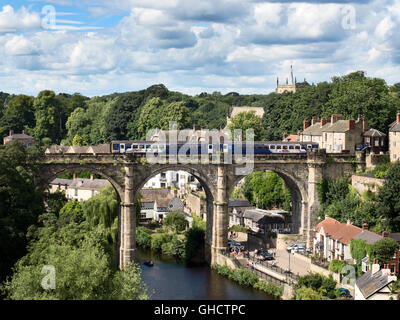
x: 11, y: 20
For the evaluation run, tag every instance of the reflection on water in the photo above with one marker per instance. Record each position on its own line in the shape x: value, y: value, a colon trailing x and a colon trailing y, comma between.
x: 170, y: 279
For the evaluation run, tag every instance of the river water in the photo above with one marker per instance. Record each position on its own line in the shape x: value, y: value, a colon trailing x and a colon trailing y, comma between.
x: 171, y: 279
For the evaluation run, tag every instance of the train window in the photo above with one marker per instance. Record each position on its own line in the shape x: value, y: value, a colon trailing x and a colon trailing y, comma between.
x: 278, y: 147
x: 309, y: 146
x: 297, y: 147
x: 135, y: 146
x: 284, y: 147
x: 272, y: 147
x: 291, y: 147
x: 141, y: 146
x: 148, y: 146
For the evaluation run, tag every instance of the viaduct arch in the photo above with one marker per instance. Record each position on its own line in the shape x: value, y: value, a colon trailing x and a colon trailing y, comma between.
x: 129, y: 172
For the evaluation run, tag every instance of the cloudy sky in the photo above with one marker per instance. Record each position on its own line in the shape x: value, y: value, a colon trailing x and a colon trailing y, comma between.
x: 98, y: 47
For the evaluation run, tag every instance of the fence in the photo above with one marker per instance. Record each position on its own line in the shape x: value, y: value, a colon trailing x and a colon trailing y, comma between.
x: 291, y: 278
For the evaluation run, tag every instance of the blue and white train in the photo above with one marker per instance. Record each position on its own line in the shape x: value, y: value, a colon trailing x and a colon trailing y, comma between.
x: 203, y: 148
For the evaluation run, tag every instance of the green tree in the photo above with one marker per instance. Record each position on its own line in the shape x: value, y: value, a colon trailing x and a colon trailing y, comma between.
x: 176, y: 221
x: 388, y: 203
x: 47, y: 116
x: 19, y: 115
x: 21, y: 201
x: 175, y: 111
x: 245, y: 121
x: 383, y: 250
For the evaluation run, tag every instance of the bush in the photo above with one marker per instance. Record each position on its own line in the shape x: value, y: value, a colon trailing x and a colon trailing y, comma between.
x: 175, y: 247
x: 318, y: 282
x: 143, y: 238
x: 247, y: 278
x: 237, y: 228
x: 176, y: 221
x: 336, y: 266
x: 269, y: 288
x: 158, y: 239
x: 194, y: 242
x: 305, y: 293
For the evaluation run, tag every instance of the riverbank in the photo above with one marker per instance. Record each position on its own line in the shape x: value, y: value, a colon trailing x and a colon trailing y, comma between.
x: 171, y: 279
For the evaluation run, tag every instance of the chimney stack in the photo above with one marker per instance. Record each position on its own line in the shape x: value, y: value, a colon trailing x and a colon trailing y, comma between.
x: 91, y: 176
x: 365, y: 226
x: 74, y: 176
x: 348, y: 222
x: 351, y: 124
x: 314, y: 120
x: 398, y: 117
x: 375, y: 267
x: 385, y: 234
x: 324, y: 121
x: 11, y: 132
x: 336, y: 117
x: 305, y: 124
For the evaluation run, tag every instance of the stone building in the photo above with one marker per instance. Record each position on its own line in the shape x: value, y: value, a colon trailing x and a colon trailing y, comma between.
x: 236, y: 209
x: 332, y: 239
x: 156, y: 203
x: 336, y: 135
x: 261, y: 221
x: 375, y: 284
x: 80, y: 189
x: 22, y: 138
x: 289, y: 88
x: 394, y: 139
x: 375, y: 141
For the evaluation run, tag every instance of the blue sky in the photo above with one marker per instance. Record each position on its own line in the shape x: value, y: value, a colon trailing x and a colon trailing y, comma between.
x: 97, y: 47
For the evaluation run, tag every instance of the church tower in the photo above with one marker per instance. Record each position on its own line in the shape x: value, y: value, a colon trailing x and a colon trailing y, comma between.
x: 282, y: 88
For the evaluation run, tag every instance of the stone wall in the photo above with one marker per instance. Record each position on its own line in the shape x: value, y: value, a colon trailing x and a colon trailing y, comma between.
x: 362, y: 184
x: 257, y: 242
x: 196, y: 205
x: 372, y: 160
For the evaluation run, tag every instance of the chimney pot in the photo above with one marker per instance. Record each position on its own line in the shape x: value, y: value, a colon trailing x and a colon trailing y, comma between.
x: 314, y: 120
x: 351, y: 124
x: 305, y: 124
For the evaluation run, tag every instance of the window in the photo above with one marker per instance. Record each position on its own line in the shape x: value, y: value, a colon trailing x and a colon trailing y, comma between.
x: 394, y: 143
x: 377, y: 142
x: 394, y: 156
x: 76, y: 192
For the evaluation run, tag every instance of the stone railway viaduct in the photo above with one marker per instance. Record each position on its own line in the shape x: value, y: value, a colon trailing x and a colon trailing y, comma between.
x: 129, y: 172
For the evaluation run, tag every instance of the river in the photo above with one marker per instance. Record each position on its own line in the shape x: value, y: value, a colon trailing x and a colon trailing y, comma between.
x: 171, y: 279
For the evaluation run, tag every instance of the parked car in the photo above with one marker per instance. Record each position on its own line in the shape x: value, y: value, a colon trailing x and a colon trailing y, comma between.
x: 264, y: 255
x: 297, y: 247
x: 235, y: 244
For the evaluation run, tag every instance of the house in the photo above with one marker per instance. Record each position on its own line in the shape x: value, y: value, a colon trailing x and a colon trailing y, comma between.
x: 290, y: 138
x: 156, y: 203
x: 375, y: 140
x: 236, y: 208
x: 394, y: 139
x: 261, y: 221
x: 375, y: 284
x: 22, y: 138
x: 336, y: 135
x: 332, y: 239
x: 372, y: 237
x: 236, y: 110
x: 80, y: 189
x: 171, y: 179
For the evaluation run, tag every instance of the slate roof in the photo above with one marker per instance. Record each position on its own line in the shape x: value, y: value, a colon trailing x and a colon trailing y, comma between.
x: 395, y: 236
x: 101, y: 148
x: 57, y: 149
x: 341, y: 232
x: 338, y: 126
x: 238, y: 203
x: 162, y: 196
x: 77, y: 149
x: 374, y: 133
x: 263, y: 216
x: 394, y: 127
x: 315, y: 129
x: 370, y: 283
x: 19, y: 136
x: 82, y: 183
x: 368, y: 236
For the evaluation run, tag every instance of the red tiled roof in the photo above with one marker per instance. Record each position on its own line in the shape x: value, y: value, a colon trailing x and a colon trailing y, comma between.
x: 293, y: 138
x: 341, y: 232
